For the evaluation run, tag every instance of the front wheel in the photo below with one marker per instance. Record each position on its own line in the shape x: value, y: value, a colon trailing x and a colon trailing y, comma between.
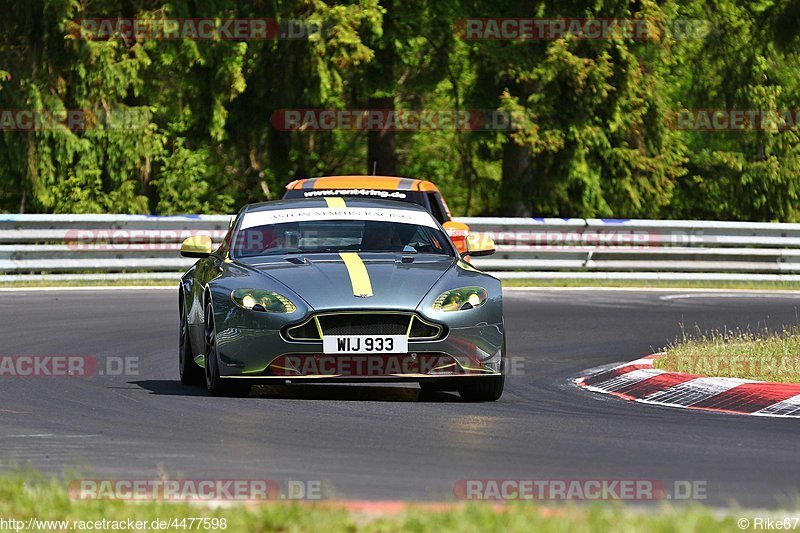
x: 215, y: 385
x: 483, y: 389
x: 191, y: 373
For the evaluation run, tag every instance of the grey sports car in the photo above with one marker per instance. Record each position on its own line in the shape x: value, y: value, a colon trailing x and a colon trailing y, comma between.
x: 340, y: 290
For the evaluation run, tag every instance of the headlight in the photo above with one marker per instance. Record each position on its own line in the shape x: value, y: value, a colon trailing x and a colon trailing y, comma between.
x: 259, y: 300
x: 460, y: 299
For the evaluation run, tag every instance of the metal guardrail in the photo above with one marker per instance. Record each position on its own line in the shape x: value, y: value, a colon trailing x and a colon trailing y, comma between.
x: 68, y: 247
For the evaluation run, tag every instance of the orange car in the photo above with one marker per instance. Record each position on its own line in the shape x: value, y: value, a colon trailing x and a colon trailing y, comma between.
x: 412, y: 190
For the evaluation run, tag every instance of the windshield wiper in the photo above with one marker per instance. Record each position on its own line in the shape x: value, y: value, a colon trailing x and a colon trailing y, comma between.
x: 318, y: 251
x: 402, y: 252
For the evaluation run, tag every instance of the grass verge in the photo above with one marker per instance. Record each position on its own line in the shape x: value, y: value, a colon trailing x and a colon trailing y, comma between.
x: 47, y: 500
x: 767, y: 356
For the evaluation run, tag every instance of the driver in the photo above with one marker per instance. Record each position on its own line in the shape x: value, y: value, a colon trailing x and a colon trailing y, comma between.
x: 380, y: 237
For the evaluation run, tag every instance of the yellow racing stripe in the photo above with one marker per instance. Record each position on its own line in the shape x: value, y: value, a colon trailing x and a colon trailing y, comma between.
x: 359, y: 277
x: 337, y: 202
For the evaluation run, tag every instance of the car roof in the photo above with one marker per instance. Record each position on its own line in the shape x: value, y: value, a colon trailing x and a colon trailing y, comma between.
x: 299, y: 203
x: 387, y: 183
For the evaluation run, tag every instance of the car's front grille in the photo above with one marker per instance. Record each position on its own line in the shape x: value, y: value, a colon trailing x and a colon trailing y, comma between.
x: 358, y: 324
x: 376, y: 323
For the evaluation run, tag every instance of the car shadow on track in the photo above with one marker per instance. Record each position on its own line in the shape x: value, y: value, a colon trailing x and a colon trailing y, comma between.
x: 353, y: 393
x: 168, y: 387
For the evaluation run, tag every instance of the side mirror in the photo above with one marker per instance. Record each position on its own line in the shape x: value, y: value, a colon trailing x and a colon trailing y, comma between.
x: 479, y: 244
x: 197, y: 246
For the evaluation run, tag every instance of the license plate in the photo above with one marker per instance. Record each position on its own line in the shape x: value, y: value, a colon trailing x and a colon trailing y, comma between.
x: 365, y: 344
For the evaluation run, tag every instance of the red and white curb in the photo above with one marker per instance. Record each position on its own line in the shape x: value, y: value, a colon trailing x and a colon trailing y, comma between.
x: 640, y: 382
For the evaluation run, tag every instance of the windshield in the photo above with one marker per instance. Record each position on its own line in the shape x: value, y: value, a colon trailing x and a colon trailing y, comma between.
x: 320, y: 236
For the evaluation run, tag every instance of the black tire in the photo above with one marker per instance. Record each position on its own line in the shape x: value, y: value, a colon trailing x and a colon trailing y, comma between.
x: 190, y: 372
x: 216, y: 385
x: 485, y: 389
x: 438, y: 385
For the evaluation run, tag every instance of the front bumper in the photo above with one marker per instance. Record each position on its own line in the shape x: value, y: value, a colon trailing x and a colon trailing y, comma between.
x: 262, y: 354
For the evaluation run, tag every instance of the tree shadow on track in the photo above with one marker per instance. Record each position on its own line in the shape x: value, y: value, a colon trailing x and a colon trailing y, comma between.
x: 326, y: 391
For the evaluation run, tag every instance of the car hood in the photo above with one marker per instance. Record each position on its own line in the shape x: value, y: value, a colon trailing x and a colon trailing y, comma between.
x: 323, y: 280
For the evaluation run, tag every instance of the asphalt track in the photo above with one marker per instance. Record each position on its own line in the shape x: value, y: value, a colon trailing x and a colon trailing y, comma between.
x: 391, y: 442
